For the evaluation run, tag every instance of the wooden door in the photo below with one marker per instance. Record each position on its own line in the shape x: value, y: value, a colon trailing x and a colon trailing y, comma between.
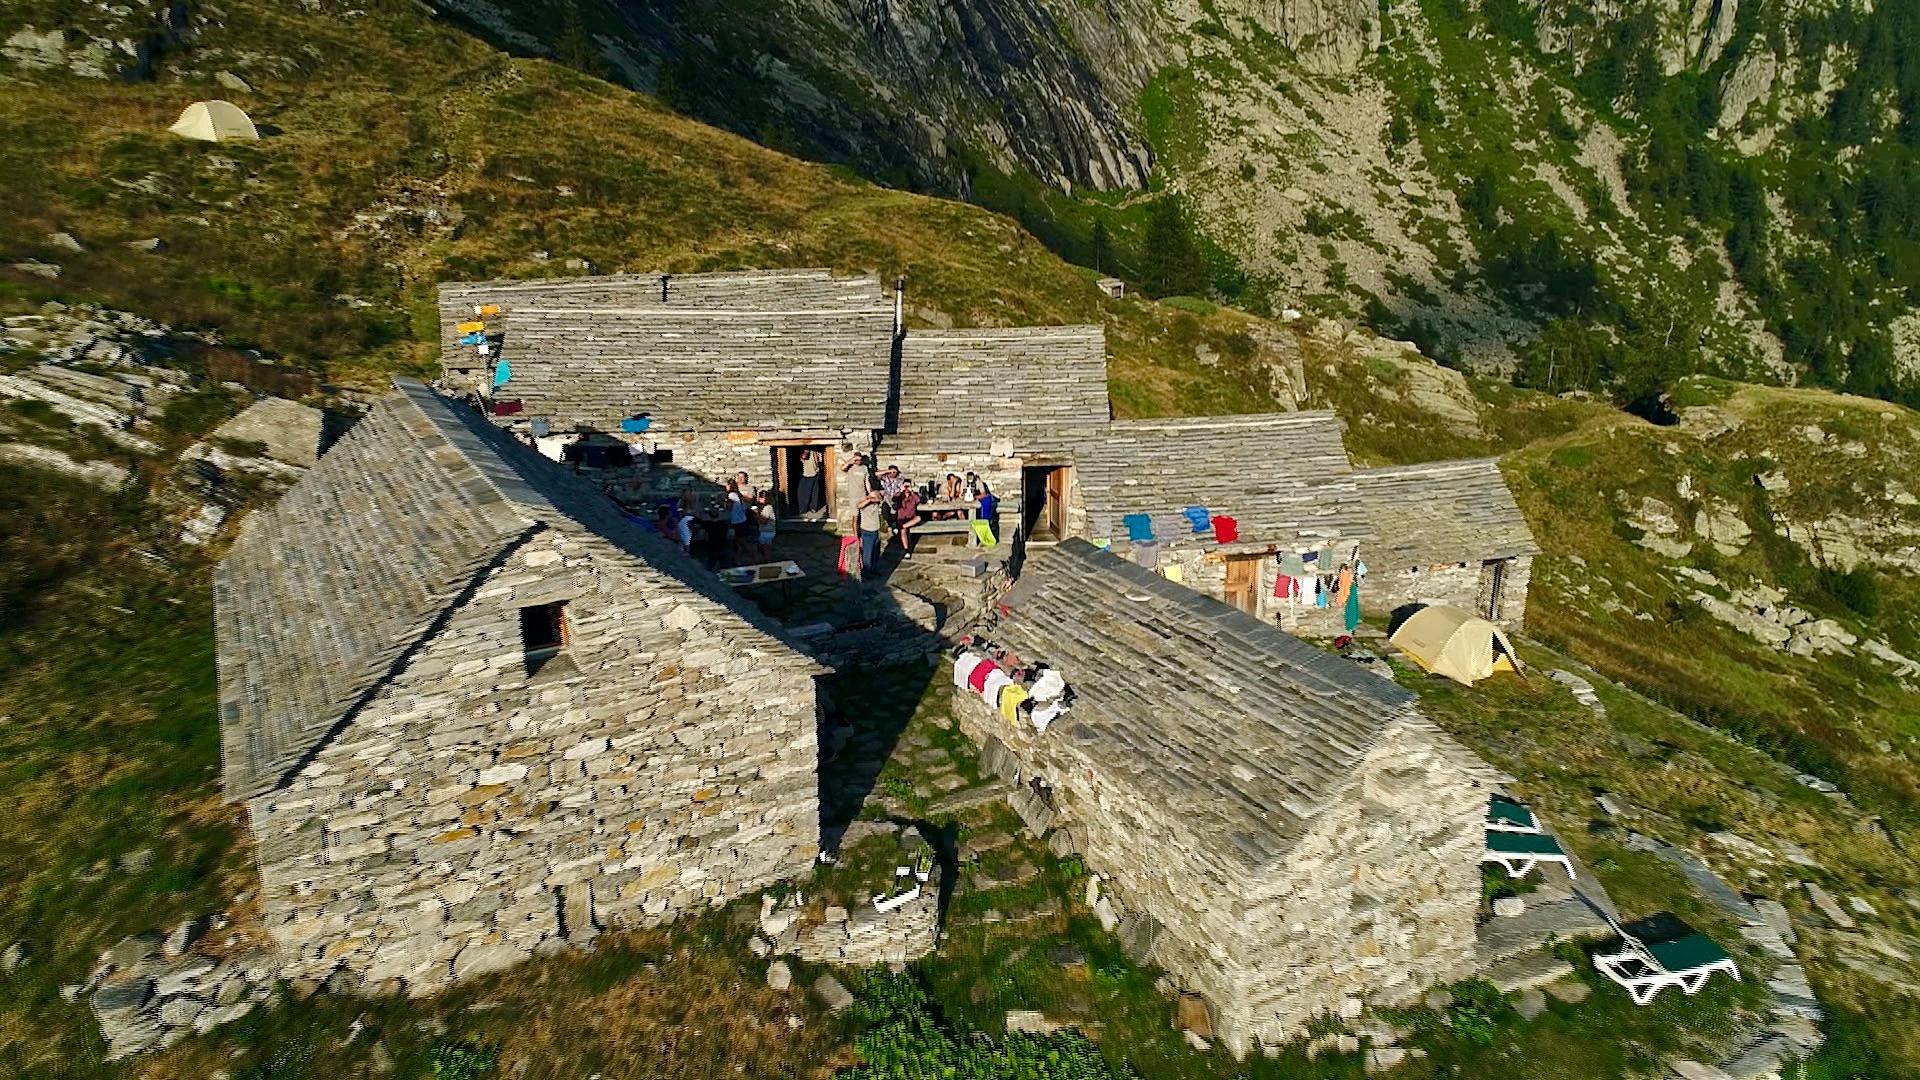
x: 1055, y: 521
x: 1243, y: 583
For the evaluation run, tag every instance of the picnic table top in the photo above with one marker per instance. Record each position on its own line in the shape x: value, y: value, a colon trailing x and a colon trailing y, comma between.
x: 761, y: 573
x: 944, y: 504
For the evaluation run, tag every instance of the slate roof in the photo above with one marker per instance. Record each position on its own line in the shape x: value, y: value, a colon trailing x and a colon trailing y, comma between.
x: 960, y: 389
x: 1219, y: 719
x: 1284, y: 477
x: 325, y: 595
x: 1444, y: 511
x: 802, y: 289
x: 702, y: 369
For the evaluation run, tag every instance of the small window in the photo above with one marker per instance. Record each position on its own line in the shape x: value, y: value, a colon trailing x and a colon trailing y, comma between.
x: 543, y: 631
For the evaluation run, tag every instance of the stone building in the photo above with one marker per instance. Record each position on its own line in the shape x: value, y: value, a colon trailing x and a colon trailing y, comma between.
x: 742, y: 372
x: 1283, y: 478
x: 472, y: 713
x: 995, y: 402
x: 1447, y: 532
x: 1283, y: 829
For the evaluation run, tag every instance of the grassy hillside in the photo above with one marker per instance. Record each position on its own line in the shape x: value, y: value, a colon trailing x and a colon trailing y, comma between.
x: 408, y: 152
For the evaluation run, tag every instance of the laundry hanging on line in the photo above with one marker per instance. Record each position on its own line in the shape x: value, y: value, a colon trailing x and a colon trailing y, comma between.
x: 1139, y: 527
x: 1225, y: 529
x: 1198, y: 517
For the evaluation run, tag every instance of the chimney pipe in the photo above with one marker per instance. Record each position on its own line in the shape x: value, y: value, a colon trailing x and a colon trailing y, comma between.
x: 899, y: 305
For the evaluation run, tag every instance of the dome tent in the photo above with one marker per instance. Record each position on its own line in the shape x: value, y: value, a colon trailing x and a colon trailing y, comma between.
x: 214, y: 121
x: 1456, y: 643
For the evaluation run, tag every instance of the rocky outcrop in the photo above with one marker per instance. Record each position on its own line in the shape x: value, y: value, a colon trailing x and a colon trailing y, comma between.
x: 1040, y: 86
x: 1328, y: 36
x: 1750, y: 82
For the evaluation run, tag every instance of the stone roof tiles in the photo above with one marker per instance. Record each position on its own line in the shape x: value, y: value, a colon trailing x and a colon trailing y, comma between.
x: 1444, y: 511
x: 1284, y: 477
x: 702, y: 369
x: 323, y: 596
x: 959, y: 389
x: 801, y: 289
x: 1212, y: 718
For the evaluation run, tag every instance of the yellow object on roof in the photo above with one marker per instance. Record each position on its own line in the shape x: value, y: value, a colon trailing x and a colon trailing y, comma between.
x: 471, y: 327
x: 214, y: 121
x: 1455, y: 643
x: 486, y: 310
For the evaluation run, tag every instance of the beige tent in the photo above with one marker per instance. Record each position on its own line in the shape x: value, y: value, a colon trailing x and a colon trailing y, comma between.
x: 214, y: 121
x: 1455, y: 643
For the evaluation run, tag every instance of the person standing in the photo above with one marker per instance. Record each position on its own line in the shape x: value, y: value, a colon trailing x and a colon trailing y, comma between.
x: 738, y: 526
x: 869, y: 527
x: 905, y: 517
x: 811, y: 463
x: 764, y: 520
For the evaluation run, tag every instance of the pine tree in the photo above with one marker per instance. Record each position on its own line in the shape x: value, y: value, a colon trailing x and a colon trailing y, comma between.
x: 1173, y: 264
x: 1099, y: 246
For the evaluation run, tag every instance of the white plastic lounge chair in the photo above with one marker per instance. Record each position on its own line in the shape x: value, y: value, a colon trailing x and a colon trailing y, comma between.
x: 1505, y: 815
x: 1520, y: 852
x: 1644, y: 970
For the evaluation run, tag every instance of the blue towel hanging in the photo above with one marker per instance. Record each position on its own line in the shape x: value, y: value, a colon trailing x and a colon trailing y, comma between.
x: 501, y: 373
x: 1198, y: 517
x: 1139, y: 527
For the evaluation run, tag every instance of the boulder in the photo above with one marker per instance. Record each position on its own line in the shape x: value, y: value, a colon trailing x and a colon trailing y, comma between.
x: 836, y: 997
x: 779, y: 975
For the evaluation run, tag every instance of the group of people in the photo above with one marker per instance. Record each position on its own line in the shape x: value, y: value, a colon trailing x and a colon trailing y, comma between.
x: 889, y: 499
x: 736, y: 529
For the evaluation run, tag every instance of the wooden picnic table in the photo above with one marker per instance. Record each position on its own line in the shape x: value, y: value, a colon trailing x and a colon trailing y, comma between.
x: 969, y: 508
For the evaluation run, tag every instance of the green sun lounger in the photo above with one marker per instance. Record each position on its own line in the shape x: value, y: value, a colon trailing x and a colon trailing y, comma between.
x: 1644, y: 969
x: 1505, y: 815
x: 1520, y: 852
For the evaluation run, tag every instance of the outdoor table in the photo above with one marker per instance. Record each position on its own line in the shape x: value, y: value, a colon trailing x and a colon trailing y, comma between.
x: 784, y: 573
x: 969, y: 509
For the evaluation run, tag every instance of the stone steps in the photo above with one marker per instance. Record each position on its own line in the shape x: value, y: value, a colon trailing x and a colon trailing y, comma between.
x: 966, y: 799
x: 1531, y: 972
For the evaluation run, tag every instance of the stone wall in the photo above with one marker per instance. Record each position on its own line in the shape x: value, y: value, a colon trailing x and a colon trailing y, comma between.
x: 1385, y: 588
x: 1377, y: 899
x: 473, y: 813
x: 860, y: 933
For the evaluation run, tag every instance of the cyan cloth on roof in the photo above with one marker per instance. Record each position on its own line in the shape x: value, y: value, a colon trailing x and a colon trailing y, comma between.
x: 1051, y: 684
x: 1198, y: 517
x: 996, y: 681
x: 963, y: 666
x: 475, y: 338
x: 977, y: 678
x: 1139, y: 527
x: 1226, y: 530
x: 634, y: 425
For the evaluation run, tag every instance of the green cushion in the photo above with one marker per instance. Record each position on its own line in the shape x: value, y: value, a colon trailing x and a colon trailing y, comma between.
x: 1511, y: 843
x: 1687, y: 953
x: 1499, y: 809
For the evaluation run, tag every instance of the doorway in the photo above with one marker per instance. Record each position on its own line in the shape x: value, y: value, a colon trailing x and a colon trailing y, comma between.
x: 1043, y: 502
x: 1243, y: 582
x: 802, y: 480
x: 1495, y: 579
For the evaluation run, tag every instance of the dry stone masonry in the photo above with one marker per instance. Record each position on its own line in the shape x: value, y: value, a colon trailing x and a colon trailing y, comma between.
x: 431, y: 800
x: 1209, y: 757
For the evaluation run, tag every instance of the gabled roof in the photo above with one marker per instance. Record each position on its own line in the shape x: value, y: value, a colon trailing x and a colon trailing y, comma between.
x: 324, y: 596
x: 1284, y: 477
x: 960, y: 389
x: 701, y: 369
x: 802, y: 289
x: 1444, y: 511
x: 1206, y: 712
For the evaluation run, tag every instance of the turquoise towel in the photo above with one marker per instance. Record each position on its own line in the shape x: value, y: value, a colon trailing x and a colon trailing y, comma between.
x: 1139, y: 527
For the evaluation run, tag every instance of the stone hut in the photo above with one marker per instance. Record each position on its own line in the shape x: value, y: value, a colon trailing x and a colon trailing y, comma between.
x: 1448, y: 532
x: 994, y: 402
x: 473, y: 714
x: 1283, y: 478
x: 1281, y: 828
x: 706, y: 374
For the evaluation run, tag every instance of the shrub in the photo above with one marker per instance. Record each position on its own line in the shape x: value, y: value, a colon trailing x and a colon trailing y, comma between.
x: 461, y: 1061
